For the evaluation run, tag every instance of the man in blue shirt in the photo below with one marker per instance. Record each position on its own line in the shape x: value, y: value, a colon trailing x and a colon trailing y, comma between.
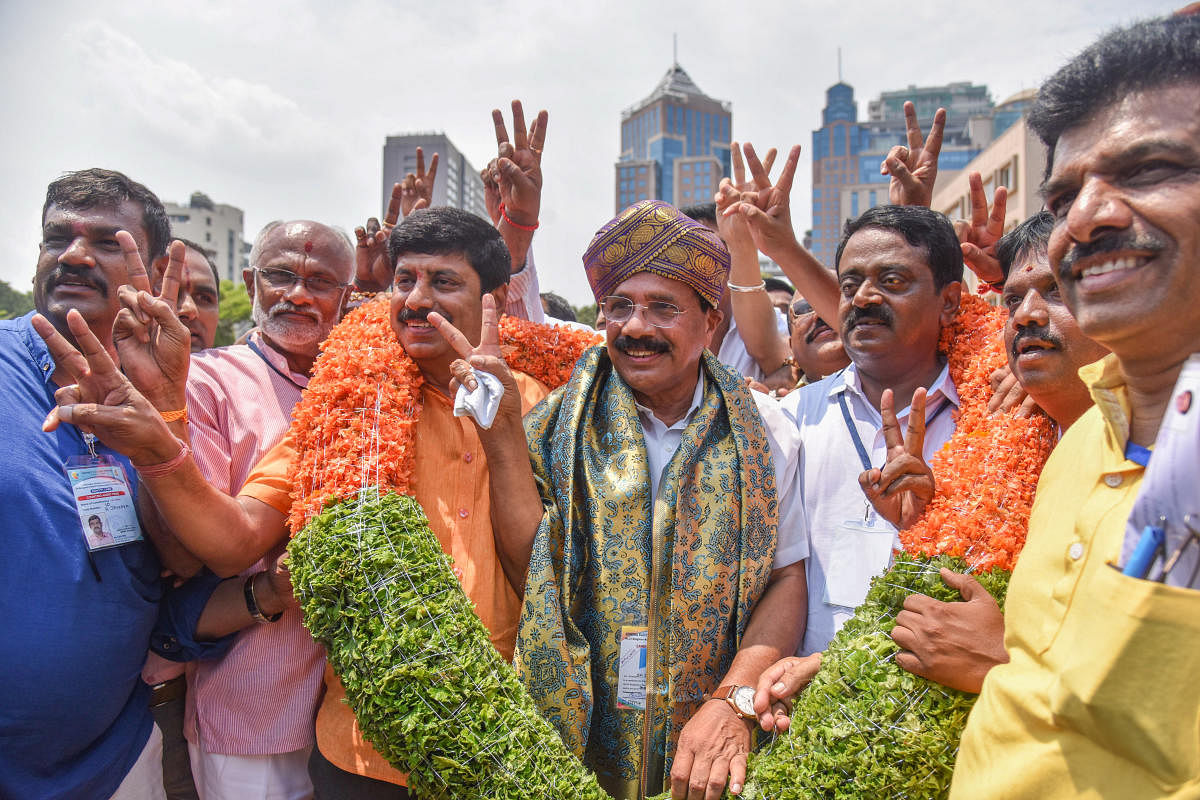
x: 74, y: 621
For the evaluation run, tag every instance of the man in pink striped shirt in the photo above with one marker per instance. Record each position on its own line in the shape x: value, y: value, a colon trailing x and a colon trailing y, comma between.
x: 250, y: 715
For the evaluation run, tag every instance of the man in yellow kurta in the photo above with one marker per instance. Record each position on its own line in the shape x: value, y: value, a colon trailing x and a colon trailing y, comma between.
x: 1101, y: 697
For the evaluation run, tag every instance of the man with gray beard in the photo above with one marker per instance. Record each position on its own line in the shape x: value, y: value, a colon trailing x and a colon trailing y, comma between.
x: 249, y: 717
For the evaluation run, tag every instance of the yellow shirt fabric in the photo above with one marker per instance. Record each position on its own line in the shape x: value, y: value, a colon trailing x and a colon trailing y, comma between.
x: 1101, y: 698
x: 450, y: 481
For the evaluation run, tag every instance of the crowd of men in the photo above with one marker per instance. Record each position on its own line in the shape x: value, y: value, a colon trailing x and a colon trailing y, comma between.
x: 712, y: 489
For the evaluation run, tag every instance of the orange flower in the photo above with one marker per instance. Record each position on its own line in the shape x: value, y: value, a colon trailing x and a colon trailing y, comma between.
x: 354, y: 425
x: 987, y: 471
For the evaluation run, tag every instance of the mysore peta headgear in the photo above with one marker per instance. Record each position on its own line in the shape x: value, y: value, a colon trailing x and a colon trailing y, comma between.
x: 653, y: 236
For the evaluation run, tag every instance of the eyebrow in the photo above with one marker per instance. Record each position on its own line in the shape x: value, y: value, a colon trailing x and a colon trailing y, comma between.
x: 93, y: 230
x: 1113, y: 162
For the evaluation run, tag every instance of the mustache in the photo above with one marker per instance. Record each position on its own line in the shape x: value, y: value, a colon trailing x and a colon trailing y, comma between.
x: 284, y: 307
x: 856, y: 316
x: 818, y: 327
x: 420, y: 315
x: 76, y: 274
x: 1109, y: 243
x: 627, y: 343
x: 1036, y: 333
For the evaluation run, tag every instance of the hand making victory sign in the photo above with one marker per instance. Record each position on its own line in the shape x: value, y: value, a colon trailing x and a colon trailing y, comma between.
x: 905, y: 485
x: 518, y: 170
x: 979, y: 236
x: 913, y: 169
x: 373, y: 268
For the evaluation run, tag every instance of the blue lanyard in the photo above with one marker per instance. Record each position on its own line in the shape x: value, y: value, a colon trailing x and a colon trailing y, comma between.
x: 1137, y: 454
x: 858, y: 442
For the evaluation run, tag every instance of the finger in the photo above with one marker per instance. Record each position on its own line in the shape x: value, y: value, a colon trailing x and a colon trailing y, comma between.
x: 68, y: 395
x: 65, y: 355
x: 912, y: 127
x: 933, y: 142
x: 373, y: 226
x: 966, y: 586
x: 914, y: 438
x: 891, y: 426
x: 1027, y: 408
x: 461, y: 371
x: 163, y: 313
x: 907, y: 660
x: 681, y: 770
x: 451, y: 334
x: 431, y: 175
x: 995, y: 225
x: 769, y: 160
x: 737, y: 773
x: 917, y: 483
x: 979, y: 206
x: 135, y: 270
x: 393, y: 209
x: 498, y: 123
x: 789, y: 171
x: 899, y: 172
x: 718, y: 772
x: 985, y: 266
x: 917, y: 604
x: 98, y: 360
x: 520, y: 132
x: 360, y: 234
x: 761, y: 181
x: 698, y: 779
x: 420, y: 163
x: 489, y: 328
x: 898, y: 153
x: 739, y: 166
x: 903, y: 636
x: 173, y: 276
x: 537, y: 136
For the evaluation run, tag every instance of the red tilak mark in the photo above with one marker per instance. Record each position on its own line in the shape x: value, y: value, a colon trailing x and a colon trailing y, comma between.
x: 1029, y: 268
x: 308, y: 247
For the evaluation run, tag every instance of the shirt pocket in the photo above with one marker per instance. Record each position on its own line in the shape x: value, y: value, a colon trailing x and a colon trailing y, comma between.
x: 1131, y: 676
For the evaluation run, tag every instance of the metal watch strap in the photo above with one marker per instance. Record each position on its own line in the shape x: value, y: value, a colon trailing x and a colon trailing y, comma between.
x: 252, y: 603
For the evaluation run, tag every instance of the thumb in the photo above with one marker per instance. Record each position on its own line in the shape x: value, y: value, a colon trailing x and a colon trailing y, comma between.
x: 967, y: 586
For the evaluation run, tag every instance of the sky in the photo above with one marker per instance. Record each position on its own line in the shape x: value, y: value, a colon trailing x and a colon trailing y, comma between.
x: 282, y: 108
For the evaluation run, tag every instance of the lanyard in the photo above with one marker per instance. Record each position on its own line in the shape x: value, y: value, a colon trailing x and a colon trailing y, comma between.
x: 1137, y: 454
x: 858, y: 442
x: 274, y: 368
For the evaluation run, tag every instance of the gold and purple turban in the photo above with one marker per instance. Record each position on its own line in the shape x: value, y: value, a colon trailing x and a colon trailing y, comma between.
x: 653, y: 236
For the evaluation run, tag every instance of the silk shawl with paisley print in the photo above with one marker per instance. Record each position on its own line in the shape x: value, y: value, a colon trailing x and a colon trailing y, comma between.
x: 690, y: 565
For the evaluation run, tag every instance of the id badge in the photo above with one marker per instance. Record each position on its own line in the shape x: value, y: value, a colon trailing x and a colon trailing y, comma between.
x: 103, y: 501
x: 631, y: 677
x: 859, y: 554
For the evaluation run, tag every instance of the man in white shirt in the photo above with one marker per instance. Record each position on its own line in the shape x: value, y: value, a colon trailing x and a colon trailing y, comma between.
x: 899, y: 274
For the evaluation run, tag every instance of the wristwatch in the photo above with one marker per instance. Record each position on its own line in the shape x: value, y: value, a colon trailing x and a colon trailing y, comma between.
x: 252, y: 603
x: 740, y: 699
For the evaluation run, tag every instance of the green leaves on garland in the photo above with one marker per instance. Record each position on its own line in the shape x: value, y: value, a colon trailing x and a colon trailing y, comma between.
x: 429, y: 690
x: 865, y: 727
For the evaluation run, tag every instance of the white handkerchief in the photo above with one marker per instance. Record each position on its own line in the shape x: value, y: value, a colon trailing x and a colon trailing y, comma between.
x: 483, y: 403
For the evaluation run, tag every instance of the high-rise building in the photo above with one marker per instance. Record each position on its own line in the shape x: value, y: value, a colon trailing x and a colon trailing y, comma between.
x: 457, y: 182
x: 847, y: 151
x: 674, y: 144
x: 216, y: 227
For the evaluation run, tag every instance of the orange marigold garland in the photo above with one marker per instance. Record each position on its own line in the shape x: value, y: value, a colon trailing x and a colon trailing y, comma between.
x: 987, y: 471
x: 354, y: 426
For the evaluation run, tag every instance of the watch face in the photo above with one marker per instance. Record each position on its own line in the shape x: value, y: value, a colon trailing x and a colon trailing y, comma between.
x: 743, y: 700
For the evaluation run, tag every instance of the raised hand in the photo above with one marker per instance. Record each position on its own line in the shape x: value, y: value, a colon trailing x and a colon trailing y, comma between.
x: 913, y: 169
x: 372, y: 266
x: 954, y: 644
x: 518, y: 170
x: 416, y: 191
x: 901, y: 490
x: 486, y: 356
x: 101, y: 400
x: 491, y: 191
x: 979, y: 236
x: 154, y: 346
x: 767, y: 208
x: 739, y: 167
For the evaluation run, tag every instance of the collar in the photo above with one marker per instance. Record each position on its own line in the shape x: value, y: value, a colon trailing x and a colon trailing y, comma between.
x: 276, y: 358
x: 1106, y: 383
x: 848, y: 380
x: 697, y: 397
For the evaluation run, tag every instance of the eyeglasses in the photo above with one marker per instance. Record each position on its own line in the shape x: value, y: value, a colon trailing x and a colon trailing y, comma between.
x: 284, y: 279
x: 801, y: 307
x: 659, y: 314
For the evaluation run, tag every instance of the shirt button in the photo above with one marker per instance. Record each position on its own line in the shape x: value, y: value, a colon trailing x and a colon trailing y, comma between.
x: 467, y: 457
x: 462, y: 512
x: 1075, y: 551
x: 1113, y: 480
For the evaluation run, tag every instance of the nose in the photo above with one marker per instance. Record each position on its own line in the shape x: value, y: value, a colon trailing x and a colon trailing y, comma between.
x: 78, y: 253
x: 419, y: 297
x: 187, y: 307
x: 1097, y: 209
x: 866, y: 295
x: 636, y: 325
x: 298, y: 294
x: 1032, y: 310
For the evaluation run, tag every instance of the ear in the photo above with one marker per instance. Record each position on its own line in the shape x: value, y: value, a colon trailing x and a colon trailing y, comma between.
x: 712, y: 321
x: 951, y: 294
x: 500, y: 293
x: 248, y: 281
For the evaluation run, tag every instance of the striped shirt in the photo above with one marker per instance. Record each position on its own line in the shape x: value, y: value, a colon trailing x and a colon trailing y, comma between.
x: 261, y: 698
